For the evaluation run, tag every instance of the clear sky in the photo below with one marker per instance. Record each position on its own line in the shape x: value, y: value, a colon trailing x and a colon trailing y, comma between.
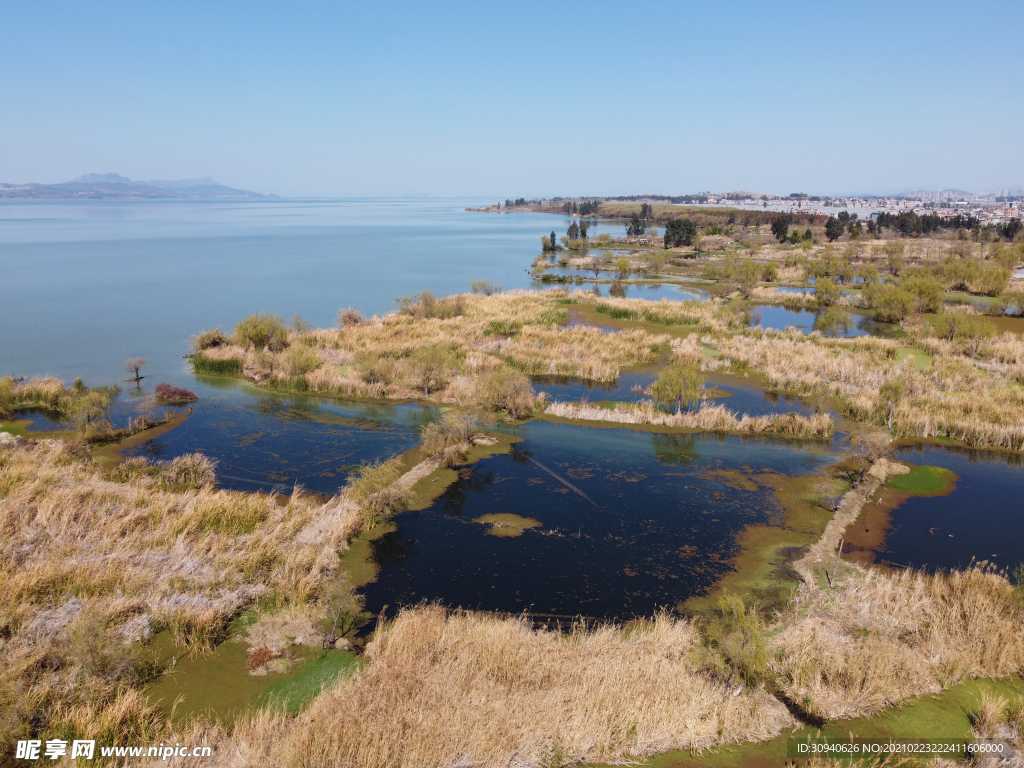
x: 517, y: 98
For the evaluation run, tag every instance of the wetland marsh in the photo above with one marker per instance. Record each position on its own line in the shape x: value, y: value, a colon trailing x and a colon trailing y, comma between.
x: 517, y: 508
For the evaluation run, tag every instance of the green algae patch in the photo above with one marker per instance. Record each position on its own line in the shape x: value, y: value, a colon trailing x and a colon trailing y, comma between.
x: 762, y: 570
x: 921, y: 360
x: 506, y: 524
x: 219, y: 687
x: 925, y: 481
x: 945, y: 715
x: 15, y: 427
x: 710, y: 352
x: 311, y: 677
x: 732, y: 478
x: 357, y: 562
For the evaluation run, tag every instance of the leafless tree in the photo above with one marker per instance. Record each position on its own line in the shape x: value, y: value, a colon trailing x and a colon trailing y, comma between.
x: 134, y: 365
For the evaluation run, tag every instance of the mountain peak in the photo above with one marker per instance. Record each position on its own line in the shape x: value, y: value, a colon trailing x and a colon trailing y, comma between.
x: 102, y: 178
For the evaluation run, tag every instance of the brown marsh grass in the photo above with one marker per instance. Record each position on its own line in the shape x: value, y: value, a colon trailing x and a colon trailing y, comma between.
x: 89, y: 565
x: 447, y: 689
x: 711, y: 418
x: 878, y: 638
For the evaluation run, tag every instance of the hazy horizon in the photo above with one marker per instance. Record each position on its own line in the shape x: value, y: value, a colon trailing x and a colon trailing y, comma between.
x: 318, y: 100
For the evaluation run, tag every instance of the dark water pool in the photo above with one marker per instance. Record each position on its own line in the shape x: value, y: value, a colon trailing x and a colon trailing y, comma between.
x: 265, y: 440
x: 629, y: 388
x: 631, y: 521
x: 982, y: 519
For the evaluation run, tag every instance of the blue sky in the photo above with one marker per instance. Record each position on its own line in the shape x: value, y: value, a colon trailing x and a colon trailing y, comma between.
x: 508, y: 99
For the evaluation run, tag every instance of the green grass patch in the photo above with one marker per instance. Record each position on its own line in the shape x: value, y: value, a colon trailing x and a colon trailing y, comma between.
x: 312, y: 676
x: 203, y: 364
x: 15, y: 427
x: 925, y: 481
x: 616, y: 313
x: 921, y: 360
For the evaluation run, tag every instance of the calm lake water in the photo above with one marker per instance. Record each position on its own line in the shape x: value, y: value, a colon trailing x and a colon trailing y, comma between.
x: 656, y: 525
x: 90, y: 283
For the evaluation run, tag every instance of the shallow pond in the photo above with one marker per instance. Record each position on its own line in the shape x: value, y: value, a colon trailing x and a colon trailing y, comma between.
x: 779, y: 319
x: 629, y: 521
x: 980, y: 520
x: 649, y: 291
x: 263, y: 440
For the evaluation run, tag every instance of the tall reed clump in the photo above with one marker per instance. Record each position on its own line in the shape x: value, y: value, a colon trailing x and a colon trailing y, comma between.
x: 475, y: 689
x: 76, y: 402
x: 88, y: 566
x: 878, y: 638
x: 205, y: 364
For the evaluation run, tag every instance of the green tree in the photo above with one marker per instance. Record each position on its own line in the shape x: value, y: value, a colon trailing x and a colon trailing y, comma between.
x: 970, y: 330
x: 636, y: 226
x: 827, y: 292
x: 680, y: 232
x: 833, y: 322
x: 926, y: 290
x: 677, y: 386
x: 622, y: 268
x: 433, y: 366
x: 262, y: 330
x: 891, y: 304
x: 780, y: 228
x: 893, y: 251
x: 834, y: 229
x: 574, y: 231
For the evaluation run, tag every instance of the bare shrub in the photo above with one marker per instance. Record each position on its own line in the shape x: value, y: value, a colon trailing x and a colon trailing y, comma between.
x: 507, y: 390
x: 208, y: 340
x: 449, y: 437
x: 350, y: 316
x: 172, y: 394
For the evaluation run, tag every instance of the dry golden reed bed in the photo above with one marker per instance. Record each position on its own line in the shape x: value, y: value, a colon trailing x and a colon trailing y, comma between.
x: 471, y: 689
x: 878, y: 638
x: 708, y: 418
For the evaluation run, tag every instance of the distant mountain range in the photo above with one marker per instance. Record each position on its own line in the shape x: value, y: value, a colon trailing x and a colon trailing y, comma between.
x: 112, y: 186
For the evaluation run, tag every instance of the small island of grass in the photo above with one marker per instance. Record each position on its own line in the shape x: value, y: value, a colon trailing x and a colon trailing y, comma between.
x: 506, y: 524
